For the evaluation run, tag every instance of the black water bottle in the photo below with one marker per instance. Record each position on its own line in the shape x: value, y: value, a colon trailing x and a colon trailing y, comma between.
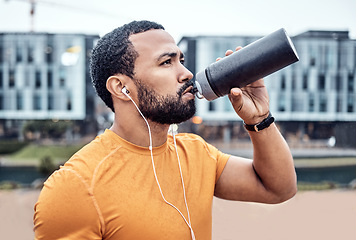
x: 255, y: 61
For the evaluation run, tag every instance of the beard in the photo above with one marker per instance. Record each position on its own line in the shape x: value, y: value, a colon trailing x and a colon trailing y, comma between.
x: 168, y: 109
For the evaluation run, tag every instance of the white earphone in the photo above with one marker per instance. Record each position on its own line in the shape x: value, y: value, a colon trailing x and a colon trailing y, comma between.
x: 125, y: 91
x: 188, y: 222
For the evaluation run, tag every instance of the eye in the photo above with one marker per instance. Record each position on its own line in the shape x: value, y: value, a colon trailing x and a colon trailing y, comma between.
x: 182, y: 61
x: 168, y: 61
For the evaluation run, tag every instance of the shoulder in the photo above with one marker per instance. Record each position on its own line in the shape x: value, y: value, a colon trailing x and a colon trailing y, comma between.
x: 66, y: 206
x: 198, y: 144
x: 190, y: 137
x: 87, y: 159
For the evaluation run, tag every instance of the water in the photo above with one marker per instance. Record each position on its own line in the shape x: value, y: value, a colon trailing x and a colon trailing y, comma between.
x: 341, y: 174
x: 22, y: 174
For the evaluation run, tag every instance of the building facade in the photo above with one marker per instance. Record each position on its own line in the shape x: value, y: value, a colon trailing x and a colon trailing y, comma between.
x: 314, y: 98
x: 44, y: 76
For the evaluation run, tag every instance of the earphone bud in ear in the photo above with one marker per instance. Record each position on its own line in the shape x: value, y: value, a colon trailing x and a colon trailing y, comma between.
x: 125, y: 91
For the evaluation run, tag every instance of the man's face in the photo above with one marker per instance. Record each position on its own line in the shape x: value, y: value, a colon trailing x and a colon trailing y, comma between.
x: 164, y: 109
x: 163, y: 87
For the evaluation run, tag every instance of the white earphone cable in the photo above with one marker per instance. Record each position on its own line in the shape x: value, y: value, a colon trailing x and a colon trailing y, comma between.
x: 154, y: 171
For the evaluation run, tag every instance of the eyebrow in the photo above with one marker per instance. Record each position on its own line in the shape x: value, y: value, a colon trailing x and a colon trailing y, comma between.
x: 170, y: 54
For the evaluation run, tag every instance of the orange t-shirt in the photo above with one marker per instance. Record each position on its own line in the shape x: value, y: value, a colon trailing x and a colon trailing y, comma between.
x: 107, y: 190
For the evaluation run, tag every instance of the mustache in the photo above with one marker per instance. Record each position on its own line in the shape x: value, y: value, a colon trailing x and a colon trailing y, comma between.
x: 188, y: 84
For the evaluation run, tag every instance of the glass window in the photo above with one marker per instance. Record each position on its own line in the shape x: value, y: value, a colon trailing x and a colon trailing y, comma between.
x: 37, y: 102
x: 30, y: 54
x: 283, y: 82
x: 50, y: 79
x: 322, y: 103
x: 19, y: 100
x: 338, y: 80
x: 339, y: 104
x: 321, y: 81
x: 18, y: 53
x: 1, y: 102
x: 311, y: 102
x: 50, y: 102
x: 1, y: 79
x: 38, y: 82
x: 62, y: 78
x: 69, y: 102
x: 11, y: 78
x: 49, y: 54
x: 305, y: 80
x: 350, y: 82
x: 212, y: 106
x: 1, y: 53
x: 294, y: 81
x: 282, y: 103
x: 350, y: 103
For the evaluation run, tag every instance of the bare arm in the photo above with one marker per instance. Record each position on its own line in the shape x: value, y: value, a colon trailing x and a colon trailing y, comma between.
x: 270, y: 177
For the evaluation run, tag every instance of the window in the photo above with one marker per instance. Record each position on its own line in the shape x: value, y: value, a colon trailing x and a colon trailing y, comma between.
x: 38, y: 82
x: 30, y: 54
x: 18, y: 53
x: 49, y: 54
x: 62, y: 78
x: 11, y: 78
x: 321, y: 81
x: 1, y: 79
x: 283, y: 82
x: 312, y: 61
x: 350, y: 83
x: 50, y: 102
x: 37, y: 102
x: 294, y: 81
x: 282, y: 103
x: 338, y: 81
x: 339, y: 104
x: 19, y: 101
x: 69, y: 102
x: 322, y: 103
x: 305, y: 81
x: 311, y: 103
x: 350, y: 103
x: 212, y: 106
x: 49, y: 79
x: 1, y: 53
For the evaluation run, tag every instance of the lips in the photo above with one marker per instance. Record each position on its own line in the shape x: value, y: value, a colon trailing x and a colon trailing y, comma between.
x: 188, y: 90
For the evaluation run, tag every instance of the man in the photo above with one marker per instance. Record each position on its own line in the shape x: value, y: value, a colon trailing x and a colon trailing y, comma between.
x: 135, y: 181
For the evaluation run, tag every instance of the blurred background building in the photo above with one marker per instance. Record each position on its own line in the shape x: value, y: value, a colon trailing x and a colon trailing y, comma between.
x: 45, y: 77
x: 312, y: 99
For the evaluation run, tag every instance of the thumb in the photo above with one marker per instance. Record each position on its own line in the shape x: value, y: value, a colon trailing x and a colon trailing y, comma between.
x: 235, y: 97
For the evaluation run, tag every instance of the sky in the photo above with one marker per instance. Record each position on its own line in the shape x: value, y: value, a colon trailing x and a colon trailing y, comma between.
x: 181, y: 17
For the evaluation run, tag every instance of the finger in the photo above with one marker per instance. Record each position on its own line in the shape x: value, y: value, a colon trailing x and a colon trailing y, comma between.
x: 235, y: 92
x: 238, y: 48
x: 218, y: 59
x: 235, y: 97
x: 228, y: 52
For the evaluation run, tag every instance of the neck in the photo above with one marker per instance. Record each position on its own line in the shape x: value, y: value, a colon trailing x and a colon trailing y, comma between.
x: 137, y: 133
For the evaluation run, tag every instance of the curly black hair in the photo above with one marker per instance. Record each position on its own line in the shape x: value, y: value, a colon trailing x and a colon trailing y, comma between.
x: 114, y: 54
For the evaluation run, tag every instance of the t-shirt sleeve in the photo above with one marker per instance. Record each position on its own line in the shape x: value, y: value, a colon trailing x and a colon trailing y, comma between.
x: 219, y: 157
x: 66, y: 209
x: 221, y: 160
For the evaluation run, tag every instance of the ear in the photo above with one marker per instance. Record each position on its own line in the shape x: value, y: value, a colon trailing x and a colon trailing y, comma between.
x: 115, y: 83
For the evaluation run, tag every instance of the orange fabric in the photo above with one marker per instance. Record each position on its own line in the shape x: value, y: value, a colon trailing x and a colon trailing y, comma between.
x: 107, y: 190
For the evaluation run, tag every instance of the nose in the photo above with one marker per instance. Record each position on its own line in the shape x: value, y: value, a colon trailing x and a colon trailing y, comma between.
x: 185, y: 76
